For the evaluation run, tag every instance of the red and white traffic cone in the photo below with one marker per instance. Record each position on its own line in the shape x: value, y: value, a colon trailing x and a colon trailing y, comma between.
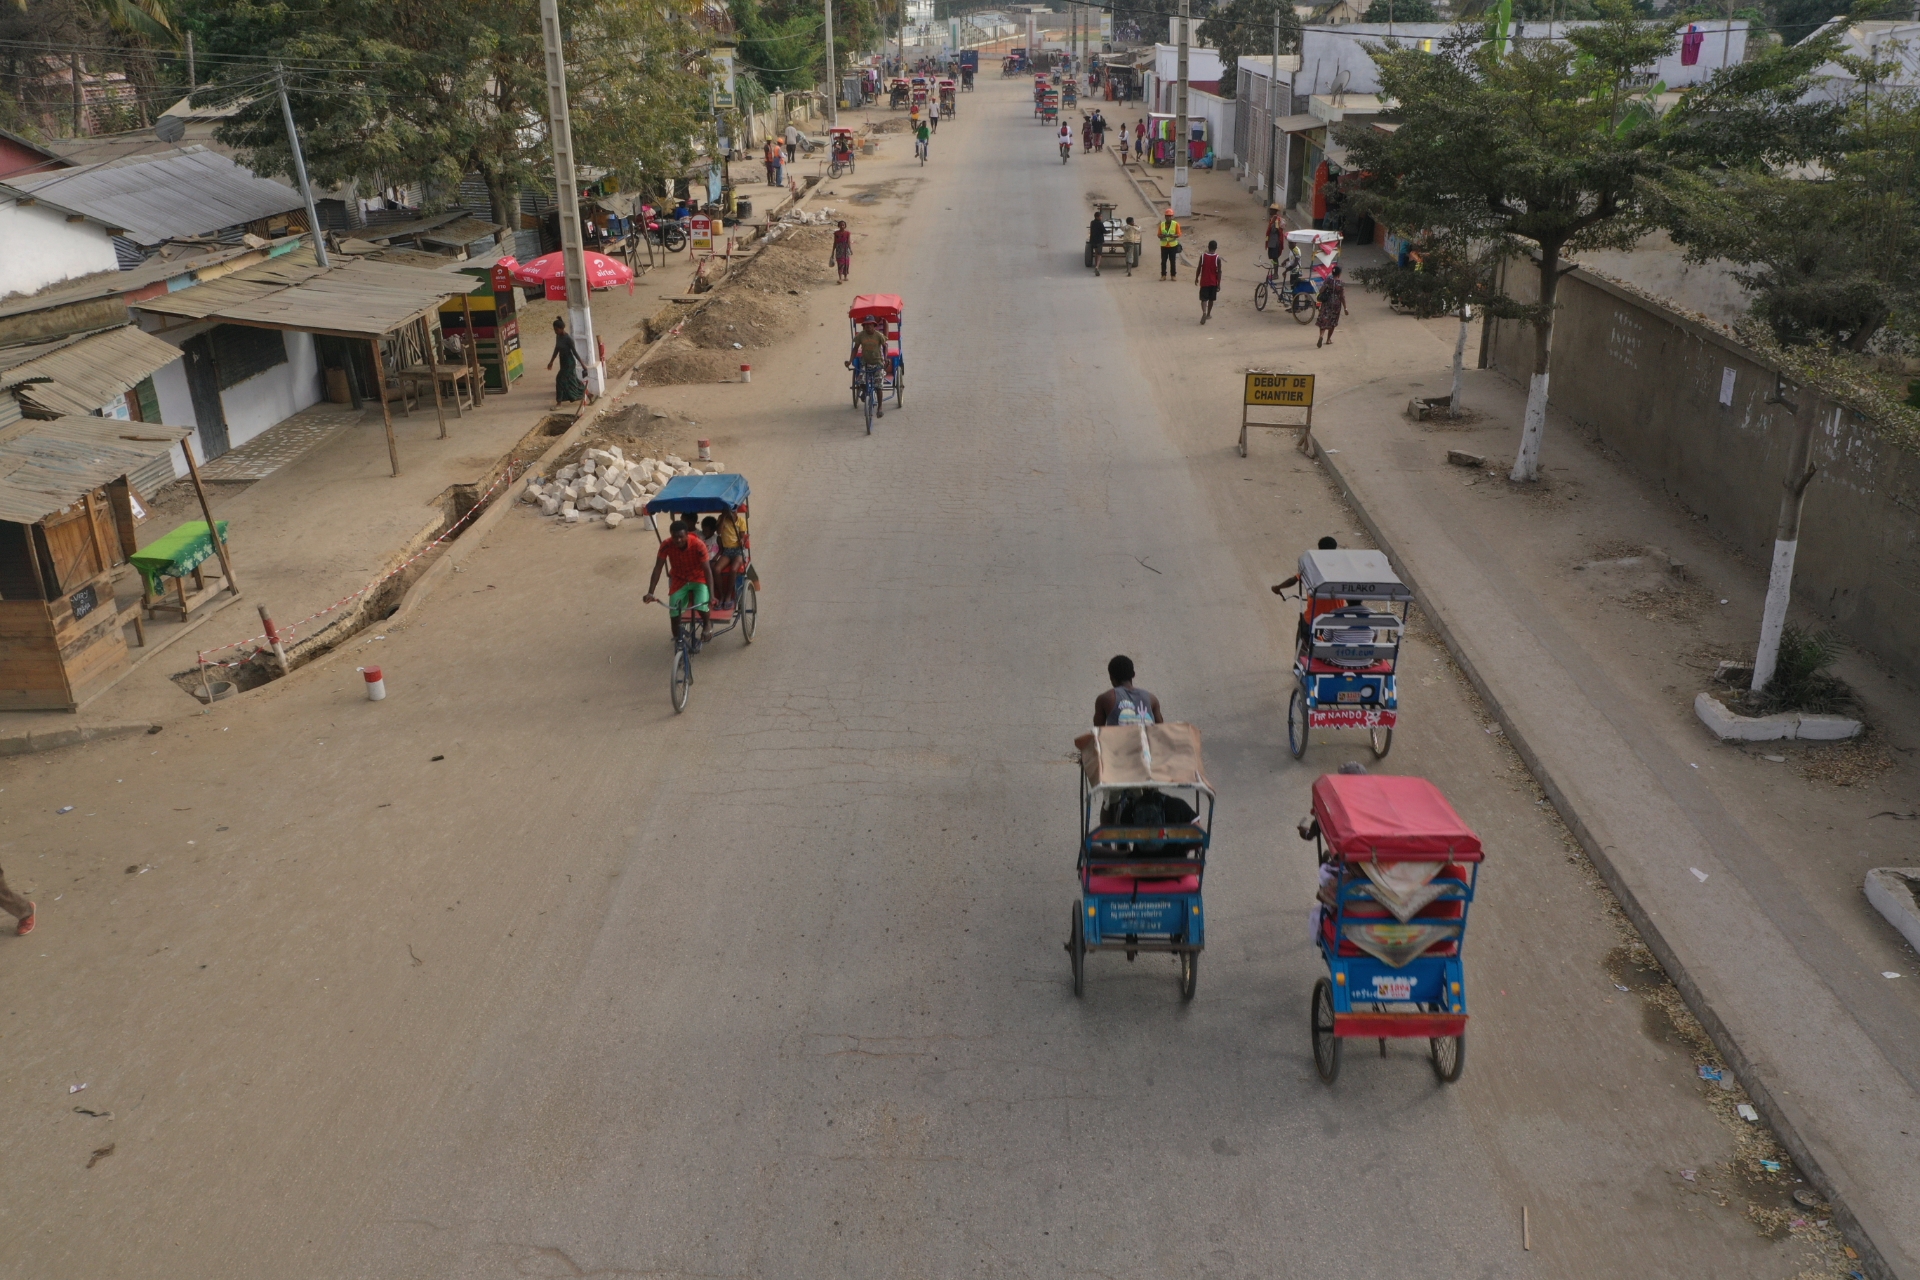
x: 746, y: 373
x: 376, y: 683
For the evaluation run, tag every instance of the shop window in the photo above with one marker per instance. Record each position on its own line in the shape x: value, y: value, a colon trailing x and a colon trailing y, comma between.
x: 242, y: 351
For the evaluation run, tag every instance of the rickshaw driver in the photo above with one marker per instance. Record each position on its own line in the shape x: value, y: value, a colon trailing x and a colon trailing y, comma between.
x: 684, y: 556
x: 1124, y: 704
x: 1311, y: 608
x: 870, y: 349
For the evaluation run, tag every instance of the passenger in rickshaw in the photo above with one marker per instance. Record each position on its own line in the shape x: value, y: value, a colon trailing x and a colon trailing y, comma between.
x: 727, y: 535
x: 684, y: 558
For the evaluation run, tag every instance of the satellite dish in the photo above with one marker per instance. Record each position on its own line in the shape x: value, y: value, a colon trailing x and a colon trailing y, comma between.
x: 170, y: 128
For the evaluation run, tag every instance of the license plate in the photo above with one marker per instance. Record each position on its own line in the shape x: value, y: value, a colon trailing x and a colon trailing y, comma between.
x: 1140, y: 917
x: 1350, y: 697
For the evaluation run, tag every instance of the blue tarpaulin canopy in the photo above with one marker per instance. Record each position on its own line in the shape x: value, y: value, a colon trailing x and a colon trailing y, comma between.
x: 695, y: 495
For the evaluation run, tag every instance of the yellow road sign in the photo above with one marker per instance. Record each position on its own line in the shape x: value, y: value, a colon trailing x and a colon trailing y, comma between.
x: 1287, y: 390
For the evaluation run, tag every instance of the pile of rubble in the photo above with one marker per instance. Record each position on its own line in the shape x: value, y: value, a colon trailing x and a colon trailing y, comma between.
x: 807, y: 218
x: 605, y: 485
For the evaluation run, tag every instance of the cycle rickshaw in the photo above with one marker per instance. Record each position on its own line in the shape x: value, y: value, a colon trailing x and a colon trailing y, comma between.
x: 1346, y: 650
x: 839, y: 151
x: 1146, y: 823
x: 886, y: 310
x: 693, y: 497
x: 1398, y: 869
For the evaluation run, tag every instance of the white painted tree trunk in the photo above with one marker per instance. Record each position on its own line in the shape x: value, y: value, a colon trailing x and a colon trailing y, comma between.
x: 1773, y: 618
x: 1459, y: 354
x: 1526, y: 463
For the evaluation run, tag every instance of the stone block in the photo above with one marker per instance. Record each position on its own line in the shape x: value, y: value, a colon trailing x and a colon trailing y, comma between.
x: 597, y: 503
x: 549, y: 506
x: 531, y: 494
x: 1730, y: 727
x: 571, y: 517
x: 615, y: 519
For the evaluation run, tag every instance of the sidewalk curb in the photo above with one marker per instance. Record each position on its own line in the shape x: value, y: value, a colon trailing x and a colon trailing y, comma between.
x: 1788, y: 1125
x: 32, y: 742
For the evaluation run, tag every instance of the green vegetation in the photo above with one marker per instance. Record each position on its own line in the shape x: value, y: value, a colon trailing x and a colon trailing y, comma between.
x: 1245, y: 27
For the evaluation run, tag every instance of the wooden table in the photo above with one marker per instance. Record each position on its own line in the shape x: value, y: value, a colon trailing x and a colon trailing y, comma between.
x: 177, y: 556
x: 453, y: 377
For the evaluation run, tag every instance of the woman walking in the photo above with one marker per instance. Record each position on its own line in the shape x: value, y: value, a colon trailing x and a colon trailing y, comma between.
x: 1333, y: 304
x: 842, y: 251
x: 567, y: 386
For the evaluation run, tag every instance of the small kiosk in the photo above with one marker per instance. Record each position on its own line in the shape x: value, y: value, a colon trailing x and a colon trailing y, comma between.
x: 488, y: 321
x: 66, y: 519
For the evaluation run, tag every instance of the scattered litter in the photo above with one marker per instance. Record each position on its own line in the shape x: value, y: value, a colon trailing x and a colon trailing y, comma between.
x: 1723, y: 602
x: 1807, y: 1199
x: 1618, y: 987
x: 1698, y: 874
x: 1888, y: 973
x: 1688, y: 1174
x: 438, y: 758
x: 1798, y: 1224
x: 1711, y: 1073
x: 1775, y: 759
x: 1884, y: 813
x: 1691, y: 765
x: 75, y: 1088
x: 64, y: 809
x: 1746, y: 1112
x: 98, y: 1115
x: 1771, y: 1166
x: 101, y: 1153
x: 133, y: 870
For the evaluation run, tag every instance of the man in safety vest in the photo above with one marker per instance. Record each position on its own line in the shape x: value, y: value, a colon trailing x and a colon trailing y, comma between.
x: 1169, y: 247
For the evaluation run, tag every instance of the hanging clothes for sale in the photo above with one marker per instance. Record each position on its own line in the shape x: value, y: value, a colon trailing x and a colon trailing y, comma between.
x: 1690, y: 46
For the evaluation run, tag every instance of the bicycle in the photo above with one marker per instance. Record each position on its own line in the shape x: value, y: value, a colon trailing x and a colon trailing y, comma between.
x: 1267, y: 288
x: 869, y: 393
x: 920, y: 148
x: 686, y: 643
x: 1066, y: 151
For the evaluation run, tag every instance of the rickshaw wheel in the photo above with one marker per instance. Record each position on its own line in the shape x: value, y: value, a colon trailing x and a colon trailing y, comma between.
x: 1303, y: 308
x: 1326, y: 1045
x: 680, y: 680
x: 1380, y: 741
x: 1260, y: 296
x: 900, y: 389
x: 749, y: 611
x: 1449, y: 1057
x: 1077, y: 949
x: 1297, y: 724
x: 1189, y: 973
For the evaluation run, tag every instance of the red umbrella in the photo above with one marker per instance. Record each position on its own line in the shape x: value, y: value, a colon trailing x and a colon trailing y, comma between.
x: 549, y: 271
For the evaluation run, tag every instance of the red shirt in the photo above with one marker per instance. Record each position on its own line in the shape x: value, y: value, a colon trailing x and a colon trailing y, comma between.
x: 1210, y: 269
x: 684, y: 564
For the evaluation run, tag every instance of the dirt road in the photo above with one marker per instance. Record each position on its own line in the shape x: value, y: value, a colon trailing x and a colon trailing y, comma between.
x: 519, y: 974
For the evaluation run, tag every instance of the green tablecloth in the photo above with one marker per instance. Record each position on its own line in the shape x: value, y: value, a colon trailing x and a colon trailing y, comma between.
x: 175, y: 555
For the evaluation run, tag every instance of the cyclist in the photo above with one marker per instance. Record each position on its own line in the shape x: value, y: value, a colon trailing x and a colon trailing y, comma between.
x: 870, y: 349
x: 684, y: 557
x: 1065, y: 138
x: 922, y: 135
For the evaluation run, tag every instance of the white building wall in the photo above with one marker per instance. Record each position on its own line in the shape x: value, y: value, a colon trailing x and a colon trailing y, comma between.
x: 251, y: 407
x: 43, y: 248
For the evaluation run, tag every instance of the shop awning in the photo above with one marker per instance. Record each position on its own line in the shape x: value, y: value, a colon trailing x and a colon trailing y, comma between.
x: 350, y: 299
x: 47, y: 466
x: 84, y: 374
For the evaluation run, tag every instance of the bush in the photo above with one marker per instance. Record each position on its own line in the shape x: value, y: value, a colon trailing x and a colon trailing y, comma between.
x: 1801, y: 681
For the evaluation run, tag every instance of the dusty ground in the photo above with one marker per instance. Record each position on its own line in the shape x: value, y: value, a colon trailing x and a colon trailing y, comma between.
x: 763, y: 302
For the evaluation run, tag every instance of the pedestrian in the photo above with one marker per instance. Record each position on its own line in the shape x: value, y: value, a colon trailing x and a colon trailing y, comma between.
x: 1133, y: 233
x: 567, y: 386
x: 842, y: 251
x: 793, y: 139
x: 1276, y: 235
x: 1086, y: 136
x: 1169, y: 234
x: 771, y: 155
x: 17, y: 907
x: 1140, y: 139
x: 1207, y: 276
x: 1333, y: 303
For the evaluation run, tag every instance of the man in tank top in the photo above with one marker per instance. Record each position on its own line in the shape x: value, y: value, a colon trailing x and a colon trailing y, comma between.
x: 1124, y: 704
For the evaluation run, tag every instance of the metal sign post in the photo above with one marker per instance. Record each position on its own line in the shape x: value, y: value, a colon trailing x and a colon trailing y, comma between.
x: 1278, y: 391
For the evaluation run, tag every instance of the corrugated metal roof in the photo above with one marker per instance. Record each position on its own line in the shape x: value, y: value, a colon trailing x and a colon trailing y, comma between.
x: 46, y: 466
x: 188, y: 192
x: 107, y: 283
x: 80, y: 375
x: 354, y: 297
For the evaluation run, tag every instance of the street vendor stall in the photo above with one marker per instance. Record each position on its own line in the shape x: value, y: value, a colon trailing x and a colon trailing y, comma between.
x: 489, y: 325
x: 67, y: 517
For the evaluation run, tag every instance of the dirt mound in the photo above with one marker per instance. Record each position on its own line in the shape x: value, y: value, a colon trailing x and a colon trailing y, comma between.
x: 760, y: 304
x: 892, y: 124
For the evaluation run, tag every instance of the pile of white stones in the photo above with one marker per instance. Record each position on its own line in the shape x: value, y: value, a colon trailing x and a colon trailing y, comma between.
x: 605, y: 485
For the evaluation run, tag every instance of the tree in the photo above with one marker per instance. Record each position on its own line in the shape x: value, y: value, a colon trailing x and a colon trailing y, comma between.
x: 440, y: 88
x: 1400, y: 11
x: 1245, y: 28
x: 1551, y: 145
x: 1452, y: 273
x: 782, y: 42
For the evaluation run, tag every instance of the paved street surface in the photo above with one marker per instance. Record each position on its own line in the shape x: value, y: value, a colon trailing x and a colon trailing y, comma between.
x: 775, y: 988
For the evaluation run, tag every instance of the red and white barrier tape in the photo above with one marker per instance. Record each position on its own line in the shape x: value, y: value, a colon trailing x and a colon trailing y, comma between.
x: 287, y: 633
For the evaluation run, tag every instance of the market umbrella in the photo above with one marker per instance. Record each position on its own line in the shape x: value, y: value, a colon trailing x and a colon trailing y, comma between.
x: 549, y: 271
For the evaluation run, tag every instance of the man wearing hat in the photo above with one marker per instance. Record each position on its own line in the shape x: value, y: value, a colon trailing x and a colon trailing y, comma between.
x: 1169, y: 232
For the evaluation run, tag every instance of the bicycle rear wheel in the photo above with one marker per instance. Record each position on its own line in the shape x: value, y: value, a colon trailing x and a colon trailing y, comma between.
x: 1303, y: 308
x: 749, y: 611
x: 1260, y: 296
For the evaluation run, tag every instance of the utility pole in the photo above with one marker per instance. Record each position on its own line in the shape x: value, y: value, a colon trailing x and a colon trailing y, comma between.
x: 193, y: 81
x: 1182, y: 193
x: 1273, y: 115
x: 300, y: 169
x: 833, y: 84
x: 572, y: 252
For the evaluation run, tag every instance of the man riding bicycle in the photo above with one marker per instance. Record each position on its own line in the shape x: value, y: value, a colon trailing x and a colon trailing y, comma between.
x: 870, y: 349
x: 921, y: 136
x: 1065, y: 138
x: 684, y: 556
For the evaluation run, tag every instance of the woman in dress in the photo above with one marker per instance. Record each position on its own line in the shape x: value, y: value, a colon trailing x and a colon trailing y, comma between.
x: 567, y: 386
x: 842, y: 251
x: 1333, y: 304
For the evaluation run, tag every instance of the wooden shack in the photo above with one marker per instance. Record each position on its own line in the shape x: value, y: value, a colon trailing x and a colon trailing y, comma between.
x: 66, y: 519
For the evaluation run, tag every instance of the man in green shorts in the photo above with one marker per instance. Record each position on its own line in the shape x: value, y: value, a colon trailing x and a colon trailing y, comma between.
x: 685, y: 558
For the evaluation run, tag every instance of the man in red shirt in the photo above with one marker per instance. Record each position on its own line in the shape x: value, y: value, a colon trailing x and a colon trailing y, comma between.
x: 685, y: 558
x: 1207, y: 274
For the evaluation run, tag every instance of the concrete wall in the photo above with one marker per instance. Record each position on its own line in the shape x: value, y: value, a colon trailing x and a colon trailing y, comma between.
x: 43, y: 248
x: 1648, y: 382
